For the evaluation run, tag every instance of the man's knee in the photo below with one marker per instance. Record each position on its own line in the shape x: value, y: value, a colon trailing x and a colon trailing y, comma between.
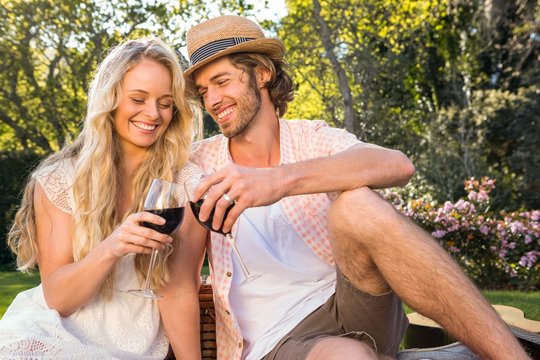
x: 341, y: 348
x: 363, y: 210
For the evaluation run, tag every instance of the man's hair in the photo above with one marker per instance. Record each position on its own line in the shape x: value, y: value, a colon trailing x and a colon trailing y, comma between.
x: 280, y: 85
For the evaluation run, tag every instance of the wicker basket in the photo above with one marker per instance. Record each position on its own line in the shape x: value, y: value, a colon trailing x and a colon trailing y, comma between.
x: 208, y: 323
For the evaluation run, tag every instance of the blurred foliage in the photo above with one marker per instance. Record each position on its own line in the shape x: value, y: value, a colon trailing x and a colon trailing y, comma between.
x: 15, y: 168
x: 49, y: 52
x: 495, y: 136
x: 451, y: 83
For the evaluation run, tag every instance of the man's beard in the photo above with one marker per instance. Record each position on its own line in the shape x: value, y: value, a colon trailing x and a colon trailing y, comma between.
x: 247, y: 108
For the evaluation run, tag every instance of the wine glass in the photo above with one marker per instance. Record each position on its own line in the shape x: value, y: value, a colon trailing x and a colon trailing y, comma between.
x: 196, y: 207
x: 166, y: 199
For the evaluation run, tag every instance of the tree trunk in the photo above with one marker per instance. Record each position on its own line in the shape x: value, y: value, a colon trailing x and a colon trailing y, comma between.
x: 343, y: 83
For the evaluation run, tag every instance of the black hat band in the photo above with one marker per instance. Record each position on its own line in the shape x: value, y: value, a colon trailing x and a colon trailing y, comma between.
x: 216, y: 46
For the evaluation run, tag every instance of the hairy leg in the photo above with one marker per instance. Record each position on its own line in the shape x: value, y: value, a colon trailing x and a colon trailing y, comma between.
x: 378, y: 249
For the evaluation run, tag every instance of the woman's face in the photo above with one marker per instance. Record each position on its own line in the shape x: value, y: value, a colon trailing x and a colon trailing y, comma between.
x: 146, y: 106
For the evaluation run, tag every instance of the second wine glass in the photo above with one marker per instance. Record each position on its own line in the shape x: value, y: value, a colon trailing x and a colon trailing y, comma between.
x: 166, y: 199
x: 196, y: 207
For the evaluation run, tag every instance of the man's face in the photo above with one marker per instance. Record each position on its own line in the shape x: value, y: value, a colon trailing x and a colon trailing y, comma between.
x: 231, y: 96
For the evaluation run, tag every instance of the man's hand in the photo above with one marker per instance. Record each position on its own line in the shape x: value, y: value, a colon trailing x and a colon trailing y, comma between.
x: 248, y: 187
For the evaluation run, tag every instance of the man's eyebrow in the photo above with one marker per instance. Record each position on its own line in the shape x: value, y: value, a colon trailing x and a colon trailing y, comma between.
x: 223, y: 73
x: 213, y: 78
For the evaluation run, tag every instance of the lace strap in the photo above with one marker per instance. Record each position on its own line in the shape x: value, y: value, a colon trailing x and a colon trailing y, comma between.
x: 189, y: 172
x: 56, y: 181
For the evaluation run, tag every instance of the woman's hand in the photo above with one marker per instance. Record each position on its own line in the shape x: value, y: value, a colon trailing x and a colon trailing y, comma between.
x: 69, y: 284
x: 132, y: 237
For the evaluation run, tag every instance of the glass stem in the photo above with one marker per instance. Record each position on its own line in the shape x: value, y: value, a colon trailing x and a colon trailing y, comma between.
x: 240, y: 260
x: 150, y: 269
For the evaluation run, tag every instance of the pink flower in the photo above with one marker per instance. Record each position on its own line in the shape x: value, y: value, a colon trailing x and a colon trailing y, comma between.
x: 437, y: 234
x: 529, y: 259
x: 453, y: 249
x: 516, y: 227
x: 482, y: 196
x: 448, y: 206
x: 462, y: 205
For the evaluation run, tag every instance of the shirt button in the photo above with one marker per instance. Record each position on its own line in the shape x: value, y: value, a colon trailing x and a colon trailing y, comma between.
x: 229, y: 273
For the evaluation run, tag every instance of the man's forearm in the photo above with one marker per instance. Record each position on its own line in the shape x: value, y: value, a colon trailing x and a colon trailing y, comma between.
x: 361, y: 165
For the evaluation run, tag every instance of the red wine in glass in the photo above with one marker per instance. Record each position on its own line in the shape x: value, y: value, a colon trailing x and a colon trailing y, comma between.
x: 166, y: 199
x: 196, y: 208
x: 172, y: 216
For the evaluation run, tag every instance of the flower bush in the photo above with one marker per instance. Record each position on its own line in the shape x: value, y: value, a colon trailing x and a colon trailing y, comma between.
x: 497, y: 250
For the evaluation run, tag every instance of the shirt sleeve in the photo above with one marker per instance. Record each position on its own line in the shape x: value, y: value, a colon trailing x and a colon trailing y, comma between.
x: 324, y: 140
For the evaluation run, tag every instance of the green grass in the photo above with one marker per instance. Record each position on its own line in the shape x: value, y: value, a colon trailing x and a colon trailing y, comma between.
x: 529, y: 302
x: 526, y: 301
x: 11, y: 283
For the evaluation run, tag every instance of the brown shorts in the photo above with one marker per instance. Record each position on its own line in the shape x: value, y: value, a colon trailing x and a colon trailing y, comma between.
x: 377, y: 320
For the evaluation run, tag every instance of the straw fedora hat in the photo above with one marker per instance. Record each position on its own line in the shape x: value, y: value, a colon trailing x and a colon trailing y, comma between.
x: 225, y: 35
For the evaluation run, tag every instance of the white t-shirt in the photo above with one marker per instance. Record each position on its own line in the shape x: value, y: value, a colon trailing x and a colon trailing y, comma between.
x: 293, y: 282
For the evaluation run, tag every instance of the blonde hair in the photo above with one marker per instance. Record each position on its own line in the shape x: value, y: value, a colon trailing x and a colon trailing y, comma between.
x: 96, y: 154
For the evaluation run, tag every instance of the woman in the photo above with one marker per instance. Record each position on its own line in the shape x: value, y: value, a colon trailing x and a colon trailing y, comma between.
x: 79, y: 222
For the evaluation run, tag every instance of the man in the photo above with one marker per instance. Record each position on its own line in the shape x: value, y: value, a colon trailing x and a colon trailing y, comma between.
x: 334, y: 258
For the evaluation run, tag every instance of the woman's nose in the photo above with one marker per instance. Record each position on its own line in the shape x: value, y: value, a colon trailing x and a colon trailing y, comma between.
x: 151, y: 110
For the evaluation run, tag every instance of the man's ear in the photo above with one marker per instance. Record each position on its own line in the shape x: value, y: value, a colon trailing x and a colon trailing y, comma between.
x: 263, y: 76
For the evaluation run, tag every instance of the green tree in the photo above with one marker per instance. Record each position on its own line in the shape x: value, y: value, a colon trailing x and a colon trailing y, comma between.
x: 49, y: 50
x: 411, y: 74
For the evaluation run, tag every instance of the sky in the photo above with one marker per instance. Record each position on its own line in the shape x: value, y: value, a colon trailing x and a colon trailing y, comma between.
x: 277, y: 9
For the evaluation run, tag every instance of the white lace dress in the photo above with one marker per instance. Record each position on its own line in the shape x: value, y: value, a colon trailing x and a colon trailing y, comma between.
x: 125, y: 327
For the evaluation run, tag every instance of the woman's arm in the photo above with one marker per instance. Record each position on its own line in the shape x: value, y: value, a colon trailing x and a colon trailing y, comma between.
x: 179, y: 307
x: 68, y: 285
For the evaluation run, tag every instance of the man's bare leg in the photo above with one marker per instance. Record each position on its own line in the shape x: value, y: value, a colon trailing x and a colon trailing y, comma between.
x: 377, y: 248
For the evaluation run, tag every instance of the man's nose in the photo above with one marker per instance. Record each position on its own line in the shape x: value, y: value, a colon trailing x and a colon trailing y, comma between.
x: 213, y: 98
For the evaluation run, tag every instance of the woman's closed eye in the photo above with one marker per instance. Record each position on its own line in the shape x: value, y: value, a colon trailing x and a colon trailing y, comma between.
x: 138, y: 100
x: 165, y: 105
x: 161, y: 104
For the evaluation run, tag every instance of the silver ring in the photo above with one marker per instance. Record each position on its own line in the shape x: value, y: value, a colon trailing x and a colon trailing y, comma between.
x: 228, y: 199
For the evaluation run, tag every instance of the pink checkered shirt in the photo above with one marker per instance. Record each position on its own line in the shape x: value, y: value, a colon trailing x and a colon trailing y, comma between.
x: 299, y: 140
